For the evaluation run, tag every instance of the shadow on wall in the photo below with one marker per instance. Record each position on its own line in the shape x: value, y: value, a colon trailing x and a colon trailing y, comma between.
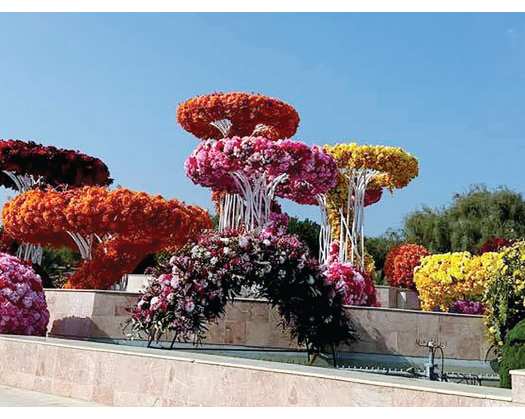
x: 76, y: 327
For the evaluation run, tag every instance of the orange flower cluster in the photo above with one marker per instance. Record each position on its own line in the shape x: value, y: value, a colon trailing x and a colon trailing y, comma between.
x: 400, y: 263
x: 137, y: 224
x: 245, y: 111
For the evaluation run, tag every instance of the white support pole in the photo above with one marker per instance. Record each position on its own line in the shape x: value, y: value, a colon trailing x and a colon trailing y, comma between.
x: 352, y: 235
x: 325, y: 233
x: 223, y: 125
x: 84, y: 244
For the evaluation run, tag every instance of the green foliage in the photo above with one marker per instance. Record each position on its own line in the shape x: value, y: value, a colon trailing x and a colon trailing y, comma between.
x: 308, y: 233
x: 512, y: 354
x: 471, y: 219
x: 57, y: 265
x: 378, y: 247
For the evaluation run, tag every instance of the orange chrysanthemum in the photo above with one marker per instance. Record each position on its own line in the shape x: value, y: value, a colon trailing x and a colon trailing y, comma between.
x: 129, y: 225
x: 248, y: 113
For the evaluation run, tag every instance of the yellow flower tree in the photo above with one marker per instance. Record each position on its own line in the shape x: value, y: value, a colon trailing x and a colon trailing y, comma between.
x: 361, y: 167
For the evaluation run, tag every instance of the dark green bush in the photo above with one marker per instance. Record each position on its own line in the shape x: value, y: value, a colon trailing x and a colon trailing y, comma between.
x: 512, y: 354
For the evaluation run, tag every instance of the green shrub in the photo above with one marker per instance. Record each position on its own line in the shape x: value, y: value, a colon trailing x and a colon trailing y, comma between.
x: 512, y: 354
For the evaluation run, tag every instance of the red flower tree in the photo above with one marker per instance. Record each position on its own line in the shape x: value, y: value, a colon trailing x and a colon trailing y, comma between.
x: 400, y: 263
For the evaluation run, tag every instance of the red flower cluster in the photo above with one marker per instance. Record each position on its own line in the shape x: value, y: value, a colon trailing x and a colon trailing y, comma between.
x: 56, y: 166
x: 132, y: 223
x: 494, y: 244
x: 247, y: 112
x: 400, y: 264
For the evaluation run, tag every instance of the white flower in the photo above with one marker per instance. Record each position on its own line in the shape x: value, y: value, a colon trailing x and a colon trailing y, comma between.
x: 243, y: 242
x: 154, y: 301
x: 226, y: 250
x: 267, y: 242
x: 311, y: 280
x: 214, y: 260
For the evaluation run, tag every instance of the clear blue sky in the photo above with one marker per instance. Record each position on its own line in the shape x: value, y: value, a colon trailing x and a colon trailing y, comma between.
x: 449, y: 88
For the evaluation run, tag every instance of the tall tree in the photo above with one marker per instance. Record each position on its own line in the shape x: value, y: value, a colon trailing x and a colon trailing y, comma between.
x: 471, y: 219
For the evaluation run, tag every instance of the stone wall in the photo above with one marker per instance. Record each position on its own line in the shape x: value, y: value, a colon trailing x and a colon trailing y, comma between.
x: 85, y: 314
x: 126, y: 376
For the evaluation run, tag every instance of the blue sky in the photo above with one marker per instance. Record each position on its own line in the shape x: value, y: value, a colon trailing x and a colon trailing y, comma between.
x: 449, y: 88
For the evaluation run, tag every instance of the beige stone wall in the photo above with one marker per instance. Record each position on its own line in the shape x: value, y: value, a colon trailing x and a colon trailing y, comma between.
x: 84, y: 314
x: 126, y: 376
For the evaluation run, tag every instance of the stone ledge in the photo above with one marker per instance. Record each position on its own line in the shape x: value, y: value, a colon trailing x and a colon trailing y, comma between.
x: 462, y: 394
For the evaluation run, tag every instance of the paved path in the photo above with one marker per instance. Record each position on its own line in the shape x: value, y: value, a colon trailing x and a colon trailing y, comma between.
x: 14, y: 397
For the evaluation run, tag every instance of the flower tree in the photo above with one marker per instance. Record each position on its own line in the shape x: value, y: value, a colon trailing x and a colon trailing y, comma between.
x: 365, y: 168
x: 112, y: 229
x: 26, y: 164
x: 255, y: 170
x: 237, y: 114
x: 220, y: 115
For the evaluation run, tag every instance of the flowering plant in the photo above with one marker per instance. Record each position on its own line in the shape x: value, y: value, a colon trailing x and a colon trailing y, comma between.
x: 55, y: 166
x: 400, y: 263
x: 356, y: 288
x: 122, y: 225
x: 467, y: 307
x: 504, y: 297
x: 443, y: 279
x: 195, y: 286
x: 247, y: 113
x: 23, y: 308
x: 309, y: 170
x: 494, y: 244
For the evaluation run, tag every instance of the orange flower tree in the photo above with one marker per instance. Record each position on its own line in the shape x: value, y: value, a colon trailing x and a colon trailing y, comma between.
x: 113, y: 230
x: 219, y: 115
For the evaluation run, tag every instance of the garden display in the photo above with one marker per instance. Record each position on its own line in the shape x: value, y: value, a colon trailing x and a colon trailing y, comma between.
x: 248, y: 160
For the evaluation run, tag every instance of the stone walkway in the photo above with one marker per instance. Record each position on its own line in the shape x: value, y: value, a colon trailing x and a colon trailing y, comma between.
x: 14, y: 397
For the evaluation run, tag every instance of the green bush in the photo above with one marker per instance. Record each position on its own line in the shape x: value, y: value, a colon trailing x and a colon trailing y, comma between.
x: 512, y: 354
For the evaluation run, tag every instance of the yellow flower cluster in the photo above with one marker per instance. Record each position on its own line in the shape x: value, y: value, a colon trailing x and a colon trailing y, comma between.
x: 396, y: 167
x: 445, y: 278
x: 504, y: 298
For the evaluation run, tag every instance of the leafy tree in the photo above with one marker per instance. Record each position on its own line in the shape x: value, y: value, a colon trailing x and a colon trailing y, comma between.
x: 471, y: 219
x: 308, y: 232
x: 378, y: 247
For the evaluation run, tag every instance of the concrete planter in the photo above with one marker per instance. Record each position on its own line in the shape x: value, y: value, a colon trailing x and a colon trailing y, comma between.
x: 99, y: 314
x: 392, y: 297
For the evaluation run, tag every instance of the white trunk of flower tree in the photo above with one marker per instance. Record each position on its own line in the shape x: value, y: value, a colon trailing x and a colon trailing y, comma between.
x: 325, y: 233
x: 352, y: 236
x: 250, y: 208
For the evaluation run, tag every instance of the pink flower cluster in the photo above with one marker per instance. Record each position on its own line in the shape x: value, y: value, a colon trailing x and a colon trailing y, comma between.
x: 23, y: 308
x: 467, y: 307
x: 310, y: 170
x: 356, y: 288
